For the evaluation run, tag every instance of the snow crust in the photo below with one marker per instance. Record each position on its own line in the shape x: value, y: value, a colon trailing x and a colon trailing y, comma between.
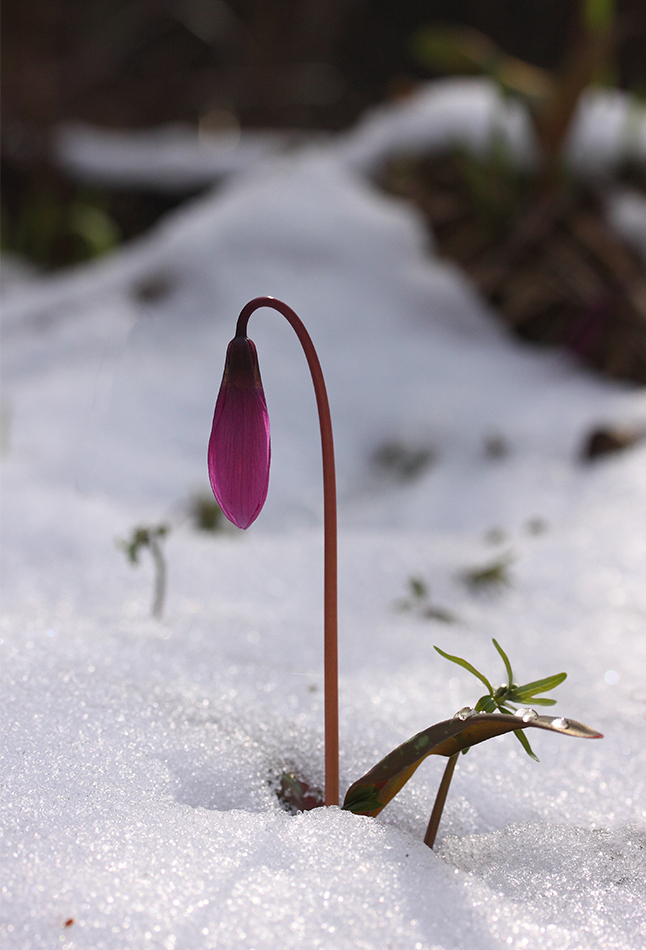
x: 140, y: 759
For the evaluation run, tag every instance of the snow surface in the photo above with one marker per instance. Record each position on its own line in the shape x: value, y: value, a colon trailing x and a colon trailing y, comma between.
x: 173, y: 157
x: 140, y: 758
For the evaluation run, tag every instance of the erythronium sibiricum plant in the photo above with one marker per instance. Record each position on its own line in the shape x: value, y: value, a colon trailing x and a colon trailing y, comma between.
x: 238, y: 458
x: 467, y: 728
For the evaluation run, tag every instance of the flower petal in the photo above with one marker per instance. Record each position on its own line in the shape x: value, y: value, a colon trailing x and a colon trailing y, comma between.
x: 239, y: 447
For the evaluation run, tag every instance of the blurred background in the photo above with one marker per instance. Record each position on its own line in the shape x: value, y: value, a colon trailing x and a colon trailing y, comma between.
x: 210, y: 66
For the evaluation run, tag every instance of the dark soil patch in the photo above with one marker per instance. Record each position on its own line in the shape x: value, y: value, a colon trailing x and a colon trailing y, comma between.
x: 545, y: 258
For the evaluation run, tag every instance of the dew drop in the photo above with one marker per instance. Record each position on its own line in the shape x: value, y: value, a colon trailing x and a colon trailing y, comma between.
x: 560, y: 723
x: 526, y: 714
x: 465, y: 713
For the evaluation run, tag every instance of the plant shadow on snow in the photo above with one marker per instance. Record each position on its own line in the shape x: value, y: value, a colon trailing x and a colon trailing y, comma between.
x: 209, y: 785
x: 219, y: 763
x: 202, y: 784
x: 230, y: 766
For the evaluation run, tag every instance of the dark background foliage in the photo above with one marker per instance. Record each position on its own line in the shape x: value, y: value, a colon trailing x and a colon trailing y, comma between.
x: 307, y: 64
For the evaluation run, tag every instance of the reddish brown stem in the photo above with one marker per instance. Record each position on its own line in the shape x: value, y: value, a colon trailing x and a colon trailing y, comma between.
x: 438, y: 807
x: 330, y: 621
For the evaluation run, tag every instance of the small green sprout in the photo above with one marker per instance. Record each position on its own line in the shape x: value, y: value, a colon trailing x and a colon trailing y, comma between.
x: 206, y: 514
x: 495, y: 536
x: 419, y: 600
x: 399, y: 462
x: 503, y: 698
x: 494, y: 715
x: 495, y: 574
x: 418, y: 588
x: 295, y: 795
x: 150, y: 537
x: 536, y: 525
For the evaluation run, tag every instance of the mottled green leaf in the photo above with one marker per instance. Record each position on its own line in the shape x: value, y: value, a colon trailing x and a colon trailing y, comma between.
x: 363, y: 800
x: 376, y: 788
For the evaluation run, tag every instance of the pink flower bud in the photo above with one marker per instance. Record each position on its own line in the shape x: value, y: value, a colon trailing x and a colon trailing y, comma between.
x: 239, y: 447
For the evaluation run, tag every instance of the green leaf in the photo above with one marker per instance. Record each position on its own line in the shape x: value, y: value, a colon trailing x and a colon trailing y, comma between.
x: 372, y: 792
x: 524, y: 693
x: 363, y: 800
x: 524, y: 741
x: 505, y: 660
x: 94, y: 226
x: 467, y: 666
x: 439, y: 613
x: 486, y: 704
x: 494, y: 574
x: 535, y: 701
x: 418, y: 588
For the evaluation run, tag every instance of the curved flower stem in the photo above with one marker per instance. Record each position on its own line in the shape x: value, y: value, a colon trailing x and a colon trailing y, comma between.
x: 330, y: 621
x: 438, y: 807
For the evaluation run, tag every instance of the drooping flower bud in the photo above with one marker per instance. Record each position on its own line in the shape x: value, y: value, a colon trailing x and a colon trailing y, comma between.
x: 239, y: 447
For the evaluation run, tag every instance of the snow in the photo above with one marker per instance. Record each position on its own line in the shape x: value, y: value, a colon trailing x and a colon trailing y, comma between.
x: 172, y: 157
x: 140, y: 758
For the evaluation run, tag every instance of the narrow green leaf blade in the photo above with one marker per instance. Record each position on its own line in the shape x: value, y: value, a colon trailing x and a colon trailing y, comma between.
x: 505, y: 660
x: 527, y: 692
x: 467, y: 666
x: 524, y: 741
x: 485, y: 704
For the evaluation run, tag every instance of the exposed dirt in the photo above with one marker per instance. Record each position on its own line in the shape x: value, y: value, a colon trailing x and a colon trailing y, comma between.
x: 545, y: 258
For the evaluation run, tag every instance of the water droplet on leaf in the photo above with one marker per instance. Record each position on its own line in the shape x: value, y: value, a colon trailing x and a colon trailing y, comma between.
x: 560, y: 723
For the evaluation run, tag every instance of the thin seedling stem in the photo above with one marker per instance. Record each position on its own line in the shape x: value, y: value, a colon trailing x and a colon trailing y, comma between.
x: 440, y: 799
x: 330, y: 610
x: 160, y: 577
